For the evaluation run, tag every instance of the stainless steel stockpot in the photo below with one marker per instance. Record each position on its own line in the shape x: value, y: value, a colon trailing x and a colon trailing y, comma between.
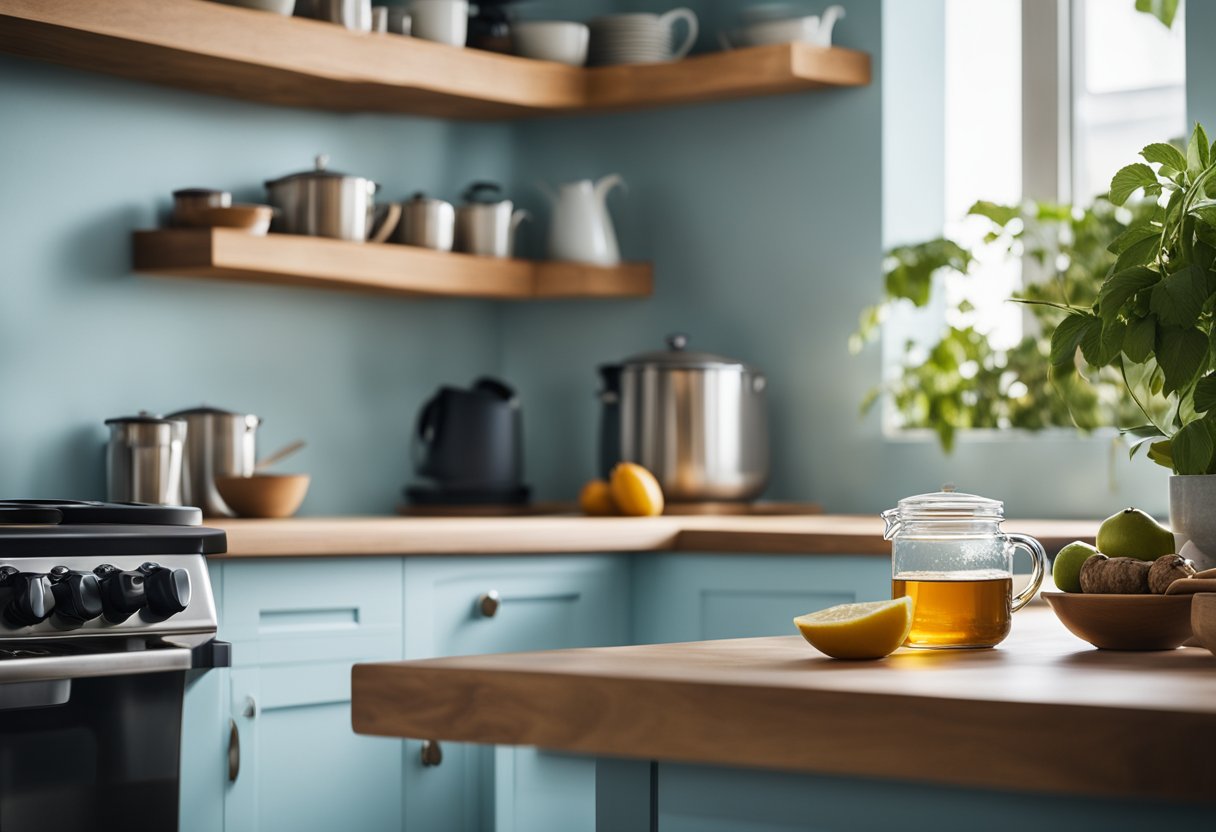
x: 144, y: 460
x: 324, y: 203
x: 697, y: 421
x: 219, y: 443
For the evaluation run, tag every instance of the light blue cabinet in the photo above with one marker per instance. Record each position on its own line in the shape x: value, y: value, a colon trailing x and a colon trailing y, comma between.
x: 694, y: 597
x: 296, y: 628
x: 544, y: 603
x: 298, y: 625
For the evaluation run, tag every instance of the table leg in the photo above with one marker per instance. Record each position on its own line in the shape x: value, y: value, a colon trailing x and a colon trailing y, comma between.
x: 626, y: 795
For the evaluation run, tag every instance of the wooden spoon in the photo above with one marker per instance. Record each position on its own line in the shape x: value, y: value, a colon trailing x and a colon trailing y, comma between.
x: 279, y: 455
x: 1189, y: 586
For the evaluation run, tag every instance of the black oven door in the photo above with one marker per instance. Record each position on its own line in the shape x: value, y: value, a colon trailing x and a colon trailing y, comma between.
x: 90, y: 739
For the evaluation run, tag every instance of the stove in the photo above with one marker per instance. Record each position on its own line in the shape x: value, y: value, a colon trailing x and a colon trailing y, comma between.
x: 105, y: 610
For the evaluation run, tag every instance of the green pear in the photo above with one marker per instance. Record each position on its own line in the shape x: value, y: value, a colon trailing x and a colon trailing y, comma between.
x: 1066, y: 568
x: 1133, y: 534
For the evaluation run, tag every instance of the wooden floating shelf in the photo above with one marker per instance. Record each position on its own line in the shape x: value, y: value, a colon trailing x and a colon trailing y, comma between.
x: 258, y: 56
x: 292, y: 260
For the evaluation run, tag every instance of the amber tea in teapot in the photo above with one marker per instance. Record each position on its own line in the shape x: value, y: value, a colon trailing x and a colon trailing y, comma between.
x: 949, y: 555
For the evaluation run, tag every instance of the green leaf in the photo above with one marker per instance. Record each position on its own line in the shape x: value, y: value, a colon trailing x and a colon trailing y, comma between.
x: 1141, y: 253
x: 1182, y: 354
x: 1068, y: 335
x: 1133, y: 235
x: 1130, y: 179
x: 1191, y: 449
x: 1164, y: 154
x: 1179, y: 298
x: 1160, y: 453
x: 1121, y: 286
x: 1205, y: 393
x: 1139, y: 339
x: 1163, y: 10
x: 1101, y: 344
x: 1143, y: 431
x: 1002, y: 215
x: 1197, y: 151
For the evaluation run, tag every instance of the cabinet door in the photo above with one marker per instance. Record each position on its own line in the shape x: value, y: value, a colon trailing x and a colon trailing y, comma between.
x: 544, y: 603
x: 693, y: 597
x: 301, y: 767
x: 204, y: 751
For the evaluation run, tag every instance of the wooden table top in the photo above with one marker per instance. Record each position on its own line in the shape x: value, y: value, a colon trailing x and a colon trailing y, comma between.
x: 804, y: 534
x: 1043, y: 712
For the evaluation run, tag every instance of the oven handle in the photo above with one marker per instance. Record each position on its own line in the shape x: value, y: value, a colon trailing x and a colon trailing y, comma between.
x: 89, y: 665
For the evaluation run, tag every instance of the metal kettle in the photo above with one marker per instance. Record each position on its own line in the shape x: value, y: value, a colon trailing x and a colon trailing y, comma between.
x: 325, y: 203
x: 470, y: 439
x: 144, y: 459
x: 697, y: 421
x: 219, y: 443
x: 486, y: 222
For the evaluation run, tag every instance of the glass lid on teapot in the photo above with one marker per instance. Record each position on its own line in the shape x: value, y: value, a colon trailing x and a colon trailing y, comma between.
x: 946, y: 505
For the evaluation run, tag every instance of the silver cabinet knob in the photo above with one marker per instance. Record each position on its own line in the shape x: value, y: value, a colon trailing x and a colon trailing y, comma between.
x: 234, y: 751
x: 251, y: 708
x: 432, y: 753
x: 488, y: 603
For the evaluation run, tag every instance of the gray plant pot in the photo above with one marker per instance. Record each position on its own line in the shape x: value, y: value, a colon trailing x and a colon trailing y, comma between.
x: 1193, y: 517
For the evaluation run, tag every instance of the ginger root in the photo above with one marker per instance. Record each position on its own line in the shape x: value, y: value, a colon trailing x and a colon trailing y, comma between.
x: 1120, y: 576
x: 1167, y: 569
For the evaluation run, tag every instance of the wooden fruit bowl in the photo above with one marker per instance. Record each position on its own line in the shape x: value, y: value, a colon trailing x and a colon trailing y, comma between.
x: 1124, y: 622
x: 263, y: 495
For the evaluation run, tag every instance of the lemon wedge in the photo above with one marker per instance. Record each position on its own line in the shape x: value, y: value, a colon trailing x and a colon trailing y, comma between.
x: 858, y: 631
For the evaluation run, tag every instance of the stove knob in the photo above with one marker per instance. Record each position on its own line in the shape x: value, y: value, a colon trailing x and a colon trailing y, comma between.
x: 77, y: 597
x: 29, y: 597
x: 122, y: 593
x: 168, y: 591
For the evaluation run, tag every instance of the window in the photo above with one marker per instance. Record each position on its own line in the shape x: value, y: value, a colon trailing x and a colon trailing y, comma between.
x: 1096, y: 80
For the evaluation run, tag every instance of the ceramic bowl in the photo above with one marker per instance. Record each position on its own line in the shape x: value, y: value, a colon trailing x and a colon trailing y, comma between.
x: 1124, y: 622
x: 1203, y: 620
x: 552, y: 40
x: 283, y: 7
x: 264, y: 495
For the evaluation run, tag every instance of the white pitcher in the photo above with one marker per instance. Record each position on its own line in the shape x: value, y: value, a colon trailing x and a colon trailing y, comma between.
x: 582, y: 229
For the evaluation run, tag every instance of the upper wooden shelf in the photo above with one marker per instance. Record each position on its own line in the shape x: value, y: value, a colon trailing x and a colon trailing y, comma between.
x: 257, y: 56
x: 386, y: 268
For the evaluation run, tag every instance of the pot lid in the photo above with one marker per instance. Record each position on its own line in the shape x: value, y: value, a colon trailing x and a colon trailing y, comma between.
x: 198, y: 192
x: 678, y: 356
x: 207, y: 410
x: 484, y: 193
x: 144, y: 418
x: 320, y: 171
x: 949, y: 504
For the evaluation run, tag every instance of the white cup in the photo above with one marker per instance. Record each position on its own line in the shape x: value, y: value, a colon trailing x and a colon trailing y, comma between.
x: 443, y: 21
x: 551, y: 40
x: 380, y: 19
x: 641, y: 37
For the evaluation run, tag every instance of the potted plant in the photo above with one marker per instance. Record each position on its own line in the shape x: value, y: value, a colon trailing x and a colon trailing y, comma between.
x: 1153, y: 321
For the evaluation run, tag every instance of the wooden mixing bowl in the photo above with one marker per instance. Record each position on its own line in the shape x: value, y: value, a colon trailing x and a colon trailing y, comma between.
x: 1125, y: 622
x: 263, y: 495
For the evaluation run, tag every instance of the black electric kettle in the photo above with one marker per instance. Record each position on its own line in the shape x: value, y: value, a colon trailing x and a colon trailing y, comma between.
x: 467, y: 446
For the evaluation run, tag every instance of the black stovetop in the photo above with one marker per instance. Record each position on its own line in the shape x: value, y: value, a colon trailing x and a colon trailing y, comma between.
x: 49, y: 528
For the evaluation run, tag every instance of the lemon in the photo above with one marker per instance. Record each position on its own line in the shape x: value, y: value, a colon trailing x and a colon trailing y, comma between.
x: 635, y: 490
x: 858, y: 631
x: 596, y: 499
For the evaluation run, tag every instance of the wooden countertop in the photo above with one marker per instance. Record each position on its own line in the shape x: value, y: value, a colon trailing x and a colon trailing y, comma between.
x: 807, y: 534
x: 1043, y: 712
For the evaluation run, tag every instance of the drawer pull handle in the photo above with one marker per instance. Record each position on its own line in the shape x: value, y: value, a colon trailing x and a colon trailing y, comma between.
x: 234, y: 751
x: 488, y: 603
x: 432, y: 753
x: 251, y: 708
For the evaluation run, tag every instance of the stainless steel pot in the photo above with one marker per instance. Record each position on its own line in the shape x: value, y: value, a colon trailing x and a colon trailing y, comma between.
x: 219, y: 443
x: 427, y: 222
x: 323, y: 203
x: 486, y: 223
x: 144, y: 460
x: 697, y: 421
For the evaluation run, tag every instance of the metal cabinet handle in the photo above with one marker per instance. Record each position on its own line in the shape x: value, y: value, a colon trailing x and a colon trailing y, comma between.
x: 251, y: 708
x: 488, y: 603
x: 432, y: 753
x: 234, y: 751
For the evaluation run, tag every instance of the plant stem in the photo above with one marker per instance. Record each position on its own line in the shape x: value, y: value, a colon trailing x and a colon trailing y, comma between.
x: 1131, y: 392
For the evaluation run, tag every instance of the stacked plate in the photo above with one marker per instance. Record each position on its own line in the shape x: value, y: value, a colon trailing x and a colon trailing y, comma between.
x: 629, y: 39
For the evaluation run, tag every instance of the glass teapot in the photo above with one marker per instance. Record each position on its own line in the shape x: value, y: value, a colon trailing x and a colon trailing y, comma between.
x: 949, y: 554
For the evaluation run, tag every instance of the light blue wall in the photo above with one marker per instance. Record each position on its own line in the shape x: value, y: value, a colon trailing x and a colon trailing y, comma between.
x: 764, y: 219
x: 85, y: 159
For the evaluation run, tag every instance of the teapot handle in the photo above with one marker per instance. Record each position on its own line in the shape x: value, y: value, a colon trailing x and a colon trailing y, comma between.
x: 690, y: 40
x: 1035, y: 550
x: 392, y: 216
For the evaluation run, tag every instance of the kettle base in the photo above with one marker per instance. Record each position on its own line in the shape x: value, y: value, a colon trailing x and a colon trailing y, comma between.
x: 442, y: 495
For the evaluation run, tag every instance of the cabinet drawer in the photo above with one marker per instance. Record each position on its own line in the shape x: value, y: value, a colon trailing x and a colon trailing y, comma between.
x: 544, y: 603
x: 311, y: 610
x: 691, y: 597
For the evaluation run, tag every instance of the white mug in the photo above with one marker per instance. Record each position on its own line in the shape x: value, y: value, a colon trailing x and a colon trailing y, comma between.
x: 443, y: 21
x: 641, y: 37
x: 551, y: 40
